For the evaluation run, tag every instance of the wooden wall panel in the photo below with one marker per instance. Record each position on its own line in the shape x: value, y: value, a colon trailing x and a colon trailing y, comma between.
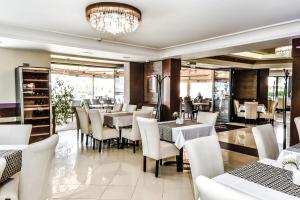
x: 245, y: 84
x: 295, y: 102
x: 136, y: 82
x: 150, y: 69
x: 262, y: 93
x: 171, y: 88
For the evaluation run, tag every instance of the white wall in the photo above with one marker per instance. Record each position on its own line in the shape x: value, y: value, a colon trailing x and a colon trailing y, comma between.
x: 12, y: 58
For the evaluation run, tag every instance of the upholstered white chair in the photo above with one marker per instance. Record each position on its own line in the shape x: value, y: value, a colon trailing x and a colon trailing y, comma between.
x: 266, y: 142
x: 251, y: 111
x: 99, y: 132
x: 117, y: 107
x: 207, y: 118
x: 2, y: 165
x: 32, y: 182
x: 236, y: 105
x: 297, y: 122
x: 15, y: 134
x: 124, y: 108
x: 152, y: 146
x: 280, y: 105
x: 270, y: 116
x: 212, y: 190
x: 131, y: 108
x: 148, y: 109
x: 205, y: 158
x: 133, y: 134
x: 85, y: 127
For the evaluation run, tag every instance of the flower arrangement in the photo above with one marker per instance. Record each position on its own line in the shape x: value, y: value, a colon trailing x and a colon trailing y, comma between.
x: 175, y: 115
x: 290, y: 160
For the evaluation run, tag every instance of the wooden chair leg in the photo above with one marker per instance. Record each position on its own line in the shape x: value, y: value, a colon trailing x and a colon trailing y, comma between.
x: 94, y: 143
x: 160, y: 162
x: 156, y: 168
x: 86, y: 140
x: 81, y: 137
x: 145, y: 163
x: 133, y: 144
x: 118, y: 143
x: 108, y: 143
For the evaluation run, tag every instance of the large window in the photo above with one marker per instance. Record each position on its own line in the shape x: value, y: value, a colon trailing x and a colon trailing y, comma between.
x: 104, y: 87
x: 205, y: 88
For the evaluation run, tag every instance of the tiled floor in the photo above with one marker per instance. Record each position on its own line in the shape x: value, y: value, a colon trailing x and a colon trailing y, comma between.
x: 83, y: 173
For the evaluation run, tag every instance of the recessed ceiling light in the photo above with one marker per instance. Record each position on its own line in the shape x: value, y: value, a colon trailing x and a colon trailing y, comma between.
x: 126, y: 57
x: 87, y: 52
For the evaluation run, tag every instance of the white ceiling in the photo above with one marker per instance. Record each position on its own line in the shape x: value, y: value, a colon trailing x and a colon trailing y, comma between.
x: 167, y: 25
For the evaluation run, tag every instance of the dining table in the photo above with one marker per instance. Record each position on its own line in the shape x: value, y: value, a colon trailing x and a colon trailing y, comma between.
x: 13, y: 157
x: 264, y: 180
x: 178, y: 134
x: 261, y: 108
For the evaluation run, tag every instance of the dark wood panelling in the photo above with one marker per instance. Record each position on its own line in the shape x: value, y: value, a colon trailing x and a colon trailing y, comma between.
x: 136, y: 83
x: 245, y: 84
x: 8, y: 110
x: 151, y: 69
x: 171, y: 88
x: 262, y: 92
x: 295, y: 103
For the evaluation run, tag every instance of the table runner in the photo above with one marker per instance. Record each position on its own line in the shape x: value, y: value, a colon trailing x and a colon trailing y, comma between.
x: 13, y: 163
x: 268, y: 176
x: 108, y: 119
x: 165, y: 129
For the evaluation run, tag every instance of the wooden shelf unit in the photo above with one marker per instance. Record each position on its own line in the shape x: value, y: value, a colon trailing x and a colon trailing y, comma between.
x: 34, y: 103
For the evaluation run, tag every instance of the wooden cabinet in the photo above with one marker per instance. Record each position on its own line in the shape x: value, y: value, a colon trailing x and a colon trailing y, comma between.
x: 33, y: 94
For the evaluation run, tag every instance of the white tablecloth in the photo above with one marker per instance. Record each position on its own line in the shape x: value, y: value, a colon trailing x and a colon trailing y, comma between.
x: 13, y: 147
x: 119, y: 121
x: 260, y: 108
x: 253, y: 189
x: 285, y: 153
x: 181, y: 134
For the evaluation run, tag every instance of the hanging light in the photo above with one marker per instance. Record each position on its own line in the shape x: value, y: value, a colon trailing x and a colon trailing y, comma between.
x: 113, y: 18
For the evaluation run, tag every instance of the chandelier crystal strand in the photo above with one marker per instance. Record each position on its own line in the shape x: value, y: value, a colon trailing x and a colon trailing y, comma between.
x: 285, y: 51
x: 113, y: 18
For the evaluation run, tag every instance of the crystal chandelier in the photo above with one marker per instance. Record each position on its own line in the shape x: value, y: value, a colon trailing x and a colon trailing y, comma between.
x: 285, y: 51
x: 113, y: 18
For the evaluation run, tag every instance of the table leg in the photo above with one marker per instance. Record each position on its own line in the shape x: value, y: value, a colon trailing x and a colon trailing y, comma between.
x: 179, y: 161
x: 120, y: 139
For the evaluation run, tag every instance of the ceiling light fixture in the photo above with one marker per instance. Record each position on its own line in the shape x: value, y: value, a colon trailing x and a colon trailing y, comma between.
x: 284, y: 51
x: 113, y: 18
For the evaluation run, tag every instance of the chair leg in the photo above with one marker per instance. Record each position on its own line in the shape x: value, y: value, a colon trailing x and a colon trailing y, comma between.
x: 145, y: 164
x: 156, y: 168
x: 100, y: 145
x: 133, y: 144
x: 160, y: 162
x: 118, y: 143
x: 108, y: 143
x: 94, y: 143
x: 81, y: 137
x: 86, y: 140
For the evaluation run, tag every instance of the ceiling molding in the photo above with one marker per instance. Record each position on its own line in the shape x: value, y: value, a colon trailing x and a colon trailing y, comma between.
x: 221, y: 45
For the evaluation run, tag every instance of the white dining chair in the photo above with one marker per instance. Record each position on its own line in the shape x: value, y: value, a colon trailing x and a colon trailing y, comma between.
x: 85, y: 126
x: 15, y: 134
x: 99, y: 132
x: 148, y: 109
x: 2, y: 165
x: 236, y: 105
x: 297, y: 122
x: 207, y: 118
x: 270, y: 116
x: 266, y: 143
x: 131, y: 108
x: 117, y: 107
x: 124, y: 107
x: 205, y: 158
x: 251, y: 111
x: 152, y: 146
x: 32, y: 182
x: 133, y: 134
x: 209, y: 189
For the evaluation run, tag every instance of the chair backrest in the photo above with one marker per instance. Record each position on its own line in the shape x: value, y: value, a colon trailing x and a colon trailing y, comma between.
x: 236, y: 105
x: 207, y: 118
x: 83, y: 120
x: 150, y: 137
x: 251, y: 110
x: 96, y: 124
x: 15, y: 134
x: 131, y: 108
x: 118, y: 107
x: 297, y: 122
x: 2, y: 165
x: 212, y: 190
x: 77, y: 118
x: 147, y: 109
x: 266, y: 142
x: 136, y: 134
x: 124, y: 108
x: 205, y: 158
x: 95, y: 102
x: 188, y: 106
x: 75, y: 103
x: 36, y: 167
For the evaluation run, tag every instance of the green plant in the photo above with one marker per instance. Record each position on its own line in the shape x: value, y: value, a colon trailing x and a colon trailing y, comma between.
x: 62, y: 99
